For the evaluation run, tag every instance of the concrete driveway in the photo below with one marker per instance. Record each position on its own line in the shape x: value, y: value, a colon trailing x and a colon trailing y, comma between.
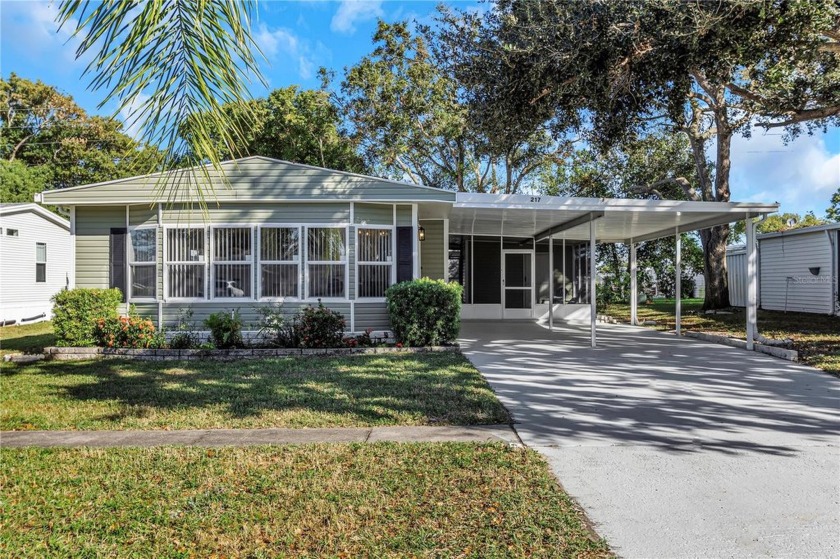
x: 675, y: 447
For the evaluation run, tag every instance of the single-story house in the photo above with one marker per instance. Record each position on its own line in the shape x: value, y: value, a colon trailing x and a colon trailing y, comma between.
x: 274, y: 231
x: 35, y: 261
x: 798, y: 270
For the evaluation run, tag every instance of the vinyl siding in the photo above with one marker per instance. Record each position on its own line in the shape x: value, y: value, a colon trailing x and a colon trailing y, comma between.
x: 372, y: 315
x: 93, y: 230
x: 432, y: 250
x: 374, y: 214
x: 786, y: 282
x: 736, y: 270
x: 253, y: 178
x: 20, y: 295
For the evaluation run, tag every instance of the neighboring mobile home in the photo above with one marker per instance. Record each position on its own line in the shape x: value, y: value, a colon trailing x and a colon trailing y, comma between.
x: 35, y: 261
x: 296, y: 234
x: 798, y: 270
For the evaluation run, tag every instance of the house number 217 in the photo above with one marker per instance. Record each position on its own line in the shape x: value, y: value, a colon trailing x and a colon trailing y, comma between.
x: 535, y: 198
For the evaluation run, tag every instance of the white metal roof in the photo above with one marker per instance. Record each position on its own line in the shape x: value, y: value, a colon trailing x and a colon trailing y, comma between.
x: 616, y: 220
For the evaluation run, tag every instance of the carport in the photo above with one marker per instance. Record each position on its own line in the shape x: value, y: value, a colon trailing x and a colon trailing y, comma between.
x: 532, y: 256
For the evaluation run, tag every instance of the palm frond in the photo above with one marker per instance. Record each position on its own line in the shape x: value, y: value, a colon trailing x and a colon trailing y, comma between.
x: 165, y: 60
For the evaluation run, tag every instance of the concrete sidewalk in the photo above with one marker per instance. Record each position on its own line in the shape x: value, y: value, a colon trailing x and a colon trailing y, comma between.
x: 245, y: 437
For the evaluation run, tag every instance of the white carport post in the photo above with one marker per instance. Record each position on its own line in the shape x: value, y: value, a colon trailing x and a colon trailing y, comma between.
x: 592, y: 297
x: 678, y: 272
x: 752, y: 285
x: 551, y: 282
x: 634, y: 286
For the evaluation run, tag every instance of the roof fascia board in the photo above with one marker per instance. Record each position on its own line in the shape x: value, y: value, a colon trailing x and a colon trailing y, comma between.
x: 692, y: 226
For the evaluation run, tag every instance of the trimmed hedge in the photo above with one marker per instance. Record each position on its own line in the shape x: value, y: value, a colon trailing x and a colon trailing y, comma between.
x: 425, y: 312
x: 76, y: 311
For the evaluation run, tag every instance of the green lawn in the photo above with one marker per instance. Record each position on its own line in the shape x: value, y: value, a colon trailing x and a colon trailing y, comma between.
x: 348, y: 391
x: 816, y: 337
x: 29, y: 338
x: 374, y: 500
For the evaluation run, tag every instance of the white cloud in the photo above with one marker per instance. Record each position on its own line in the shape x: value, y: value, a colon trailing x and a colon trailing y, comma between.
x: 283, y: 42
x: 801, y: 176
x: 351, y: 12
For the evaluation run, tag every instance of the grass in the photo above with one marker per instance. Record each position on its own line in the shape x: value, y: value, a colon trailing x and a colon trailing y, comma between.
x: 816, y: 337
x: 342, y: 500
x: 348, y: 391
x: 28, y: 338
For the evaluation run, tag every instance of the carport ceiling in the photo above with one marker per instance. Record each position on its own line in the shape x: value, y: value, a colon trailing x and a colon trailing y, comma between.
x: 616, y: 220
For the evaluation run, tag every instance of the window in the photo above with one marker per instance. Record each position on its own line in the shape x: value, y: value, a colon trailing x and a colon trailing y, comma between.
x: 279, y: 262
x: 326, y: 252
x: 142, y: 263
x: 374, y: 253
x: 40, y: 262
x: 12, y: 232
x: 186, y: 264
x: 232, y: 262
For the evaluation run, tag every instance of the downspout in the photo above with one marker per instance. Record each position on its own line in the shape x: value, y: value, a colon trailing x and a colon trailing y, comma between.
x: 835, y: 300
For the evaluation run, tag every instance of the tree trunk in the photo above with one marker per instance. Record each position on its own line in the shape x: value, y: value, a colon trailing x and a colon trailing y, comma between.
x: 714, y: 269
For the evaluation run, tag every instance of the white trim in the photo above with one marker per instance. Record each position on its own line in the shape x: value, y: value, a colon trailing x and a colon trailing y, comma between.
x: 634, y: 285
x: 72, y: 282
x: 752, y: 285
x: 593, y: 296
x: 130, y: 298
x: 518, y: 313
x: 12, y: 208
x: 394, y: 243
x: 260, y: 262
x: 213, y: 263
x: 393, y: 262
x: 345, y: 263
x: 415, y: 245
x: 166, y: 264
x: 678, y: 284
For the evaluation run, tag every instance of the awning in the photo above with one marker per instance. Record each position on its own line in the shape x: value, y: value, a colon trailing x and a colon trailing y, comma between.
x: 616, y: 220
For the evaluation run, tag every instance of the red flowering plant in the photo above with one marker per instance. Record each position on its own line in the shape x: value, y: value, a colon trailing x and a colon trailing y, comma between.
x: 127, y: 331
x: 320, y: 327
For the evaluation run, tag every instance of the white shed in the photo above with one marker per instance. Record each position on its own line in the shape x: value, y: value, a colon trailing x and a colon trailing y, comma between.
x: 797, y: 270
x: 35, y: 261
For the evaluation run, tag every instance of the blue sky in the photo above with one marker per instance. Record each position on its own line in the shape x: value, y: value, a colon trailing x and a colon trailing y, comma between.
x: 299, y: 37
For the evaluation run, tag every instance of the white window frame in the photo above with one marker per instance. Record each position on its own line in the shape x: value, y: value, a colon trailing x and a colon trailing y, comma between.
x: 167, y: 263
x: 212, y: 262
x: 39, y: 262
x: 130, y: 263
x: 299, y: 260
x: 345, y: 262
x: 392, y: 264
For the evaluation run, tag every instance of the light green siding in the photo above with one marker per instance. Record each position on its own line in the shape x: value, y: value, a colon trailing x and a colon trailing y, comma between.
x: 432, y: 250
x: 252, y: 178
x: 374, y: 214
x: 404, y: 215
x: 372, y: 315
x: 93, y: 230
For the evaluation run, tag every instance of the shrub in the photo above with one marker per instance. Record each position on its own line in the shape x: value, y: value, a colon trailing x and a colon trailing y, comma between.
x: 276, y: 329
x: 76, y: 311
x: 320, y: 327
x: 225, y: 329
x: 185, y: 336
x: 425, y: 312
x: 127, y: 331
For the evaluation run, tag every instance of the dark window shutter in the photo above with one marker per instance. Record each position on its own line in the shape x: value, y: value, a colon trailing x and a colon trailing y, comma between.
x: 405, y: 256
x: 117, y: 260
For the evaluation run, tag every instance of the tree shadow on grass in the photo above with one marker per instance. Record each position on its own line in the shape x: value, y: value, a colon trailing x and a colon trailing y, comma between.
x: 314, y: 391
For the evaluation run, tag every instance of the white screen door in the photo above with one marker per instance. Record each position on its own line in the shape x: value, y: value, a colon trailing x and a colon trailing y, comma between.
x: 518, y: 283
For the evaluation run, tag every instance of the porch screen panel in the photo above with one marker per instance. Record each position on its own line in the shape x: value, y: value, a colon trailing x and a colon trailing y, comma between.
x: 279, y: 262
x: 487, y: 270
x: 326, y: 253
x: 232, y: 261
x: 459, y: 264
x: 186, y: 263
x: 375, y: 258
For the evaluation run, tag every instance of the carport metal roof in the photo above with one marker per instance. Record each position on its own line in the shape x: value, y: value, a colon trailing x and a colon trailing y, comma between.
x: 616, y: 220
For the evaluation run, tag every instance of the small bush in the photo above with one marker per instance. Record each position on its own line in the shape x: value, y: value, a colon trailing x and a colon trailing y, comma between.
x: 76, y: 311
x: 185, y: 336
x: 225, y: 329
x: 425, y: 312
x: 320, y: 327
x: 127, y: 331
x: 276, y: 329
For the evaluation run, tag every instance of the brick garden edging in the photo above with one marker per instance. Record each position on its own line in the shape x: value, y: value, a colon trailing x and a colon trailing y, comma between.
x: 80, y: 353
